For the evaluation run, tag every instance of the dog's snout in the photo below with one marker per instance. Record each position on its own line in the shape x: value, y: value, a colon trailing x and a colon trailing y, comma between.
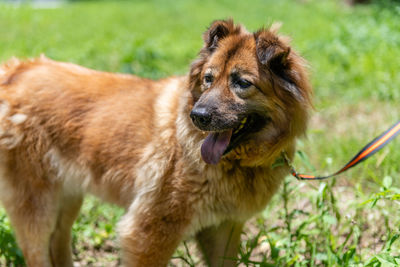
x: 201, y: 117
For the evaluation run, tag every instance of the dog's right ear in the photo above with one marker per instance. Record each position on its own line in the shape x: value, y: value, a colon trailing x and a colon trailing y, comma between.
x: 217, y: 31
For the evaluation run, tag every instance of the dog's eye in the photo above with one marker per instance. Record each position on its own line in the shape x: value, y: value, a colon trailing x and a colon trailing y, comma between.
x: 242, y: 83
x: 208, y: 78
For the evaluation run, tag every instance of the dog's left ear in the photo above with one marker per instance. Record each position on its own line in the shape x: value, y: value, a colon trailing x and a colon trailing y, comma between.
x: 275, y: 55
x: 272, y: 52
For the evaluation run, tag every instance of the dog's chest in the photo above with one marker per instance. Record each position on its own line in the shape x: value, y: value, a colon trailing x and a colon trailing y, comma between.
x: 233, y: 195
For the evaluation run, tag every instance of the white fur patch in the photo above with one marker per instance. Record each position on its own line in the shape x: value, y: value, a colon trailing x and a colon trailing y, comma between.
x: 164, y: 105
x: 76, y: 178
x: 10, y: 136
x: 201, y: 221
x: 18, y: 118
x: 10, y: 142
x: 187, y: 136
x: 4, y: 109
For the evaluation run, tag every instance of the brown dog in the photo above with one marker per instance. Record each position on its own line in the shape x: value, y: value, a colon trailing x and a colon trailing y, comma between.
x: 185, y: 156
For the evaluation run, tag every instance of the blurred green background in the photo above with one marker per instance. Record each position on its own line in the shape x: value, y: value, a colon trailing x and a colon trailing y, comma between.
x: 353, y: 53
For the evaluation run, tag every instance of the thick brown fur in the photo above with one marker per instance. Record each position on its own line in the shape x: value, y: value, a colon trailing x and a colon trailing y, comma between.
x: 66, y: 130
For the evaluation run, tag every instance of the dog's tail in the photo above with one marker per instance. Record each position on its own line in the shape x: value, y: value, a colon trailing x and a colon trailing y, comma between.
x: 10, y: 132
x: 11, y: 68
x: 8, y: 69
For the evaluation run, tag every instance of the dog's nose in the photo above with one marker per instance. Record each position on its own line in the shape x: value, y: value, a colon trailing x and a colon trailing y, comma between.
x: 201, y: 117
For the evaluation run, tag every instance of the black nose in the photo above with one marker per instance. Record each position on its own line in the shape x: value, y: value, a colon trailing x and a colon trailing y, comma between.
x: 201, y: 117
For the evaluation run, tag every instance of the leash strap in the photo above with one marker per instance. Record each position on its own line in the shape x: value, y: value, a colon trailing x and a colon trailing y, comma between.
x: 374, y: 146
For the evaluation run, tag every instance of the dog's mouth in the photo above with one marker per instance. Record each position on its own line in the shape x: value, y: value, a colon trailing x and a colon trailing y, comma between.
x: 218, y: 144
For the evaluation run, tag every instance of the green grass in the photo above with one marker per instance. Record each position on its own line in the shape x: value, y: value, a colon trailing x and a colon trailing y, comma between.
x: 353, y: 53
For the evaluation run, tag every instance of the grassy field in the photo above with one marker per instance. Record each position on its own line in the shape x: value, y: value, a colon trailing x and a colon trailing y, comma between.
x: 353, y: 52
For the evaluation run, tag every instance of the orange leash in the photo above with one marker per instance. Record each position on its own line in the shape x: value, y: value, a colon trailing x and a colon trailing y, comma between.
x: 374, y: 146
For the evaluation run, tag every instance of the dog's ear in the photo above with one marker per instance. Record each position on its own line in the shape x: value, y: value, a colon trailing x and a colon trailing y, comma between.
x: 275, y: 55
x: 272, y: 52
x: 217, y: 31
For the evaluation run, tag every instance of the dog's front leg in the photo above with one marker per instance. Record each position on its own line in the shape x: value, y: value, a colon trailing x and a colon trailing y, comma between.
x: 151, y: 231
x: 220, y: 244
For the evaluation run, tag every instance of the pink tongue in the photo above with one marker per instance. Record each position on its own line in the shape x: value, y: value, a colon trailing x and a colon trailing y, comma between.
x: 214, y: 146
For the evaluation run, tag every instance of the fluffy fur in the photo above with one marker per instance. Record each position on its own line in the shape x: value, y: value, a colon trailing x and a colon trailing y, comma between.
x: 66, y: 130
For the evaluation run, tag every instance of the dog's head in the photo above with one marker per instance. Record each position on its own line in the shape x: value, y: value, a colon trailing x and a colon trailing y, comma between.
x: 250, y: 92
